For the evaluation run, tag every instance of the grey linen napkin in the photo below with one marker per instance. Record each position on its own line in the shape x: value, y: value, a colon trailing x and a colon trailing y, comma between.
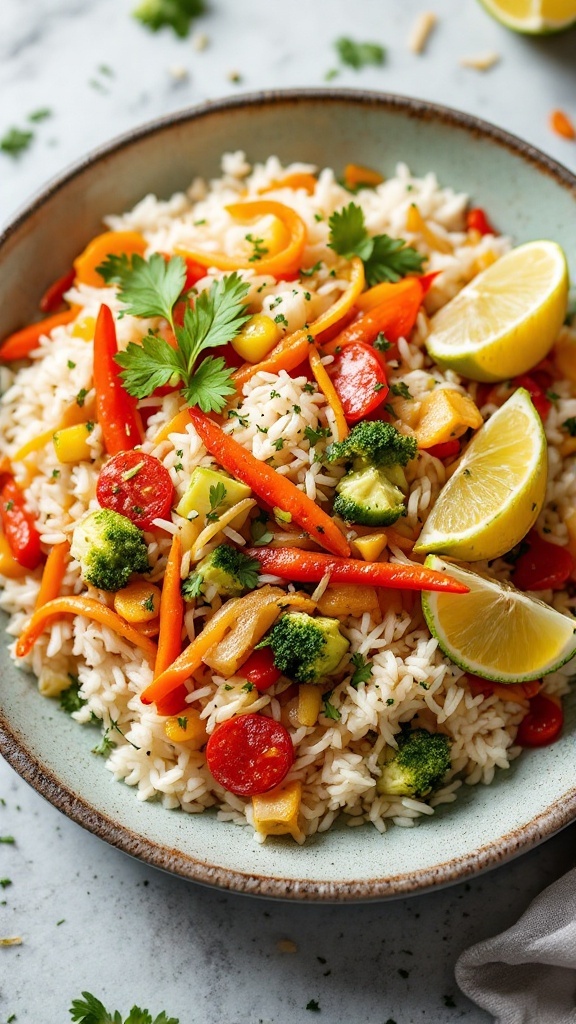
x: 527, y: 975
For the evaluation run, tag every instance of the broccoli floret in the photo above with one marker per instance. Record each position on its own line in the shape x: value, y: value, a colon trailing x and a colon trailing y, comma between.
x: 419, y: 764
x: 369, y: 497
x: 375, y: 443
x: 109, y: 549
x: 307, y: 649
x: 230, y: 571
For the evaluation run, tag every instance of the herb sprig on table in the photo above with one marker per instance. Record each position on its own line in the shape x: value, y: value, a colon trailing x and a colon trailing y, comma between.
x: 89, y: 1010
x: 175, y: 14
x: 384, y: 258
x: 151, y: 288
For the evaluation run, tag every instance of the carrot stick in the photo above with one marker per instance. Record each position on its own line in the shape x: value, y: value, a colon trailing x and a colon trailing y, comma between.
x: 22, y: 343
x: 171, y: 611
x: 276, y: 490
x: 394, y: 317
x: 116, y: 410
x: 53, y: 574
x: 91, y: 609
x: 329, y: 391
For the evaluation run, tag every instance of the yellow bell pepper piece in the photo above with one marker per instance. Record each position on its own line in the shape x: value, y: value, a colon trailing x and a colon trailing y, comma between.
x: 84, y: 328
x: 309, y: 703
x: 9, y: 567
x: 138, y: 602
x: 256, y: 338
x: 370, y: 546
x: 276, y: 812
x: 187, y: 728
x: 34, y: 445
x: 445, y: 414
x: 418, y: 226
x: 71, y: 443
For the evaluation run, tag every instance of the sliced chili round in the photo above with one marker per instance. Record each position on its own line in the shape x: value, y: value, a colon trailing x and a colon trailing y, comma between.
x: 137, y: 486
x: 250, y: 754
x: 543, y: 723
x: 359, y: 378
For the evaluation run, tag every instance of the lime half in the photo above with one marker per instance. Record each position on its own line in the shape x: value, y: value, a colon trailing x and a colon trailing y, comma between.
x: 495, y: 631
x: 496, y: 493
x: 536, y: 17
x: 507, y: 318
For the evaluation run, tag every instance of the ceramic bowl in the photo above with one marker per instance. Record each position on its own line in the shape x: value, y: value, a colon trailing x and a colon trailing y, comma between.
x: 528, y: 196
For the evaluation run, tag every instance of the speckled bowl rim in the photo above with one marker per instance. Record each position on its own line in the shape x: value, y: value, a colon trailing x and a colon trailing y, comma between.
x: 40, y: 776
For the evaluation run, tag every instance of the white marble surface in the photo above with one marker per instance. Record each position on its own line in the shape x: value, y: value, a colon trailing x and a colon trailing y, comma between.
x: 89, y: 917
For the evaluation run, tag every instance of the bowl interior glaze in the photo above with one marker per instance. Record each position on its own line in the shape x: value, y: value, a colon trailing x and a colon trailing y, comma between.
x: 528, y: 197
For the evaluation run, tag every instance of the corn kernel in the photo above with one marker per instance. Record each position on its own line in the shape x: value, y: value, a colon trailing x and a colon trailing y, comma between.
x: 71, y: 443
x: 257, y: 337
x: 187, y: 728
x: 9, y: 567
x: 84, y: 328
x: 309, y: 703
x: 276, y: 812
x: 138, y: 602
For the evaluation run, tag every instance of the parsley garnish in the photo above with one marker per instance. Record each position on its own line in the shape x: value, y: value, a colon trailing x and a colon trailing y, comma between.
x: 248, y: 687
x: 281, y: 319
x: 314, y: 435
x: 242, y: 420
x: 278, y: 444
x: 259, y: 250
x: 90, y: 1010
x: 175, y: 14
x: 15, y: 141
x: 40, y: 115
x: 381, y: 343
x: 5, y: 882
x: 183, y: 723
x: 9, y: 840
x: 148, y: 604
x: 191, y: 587
x: 362, y: 670
x: 246, y: 570
x: 81, y: 397
x: 217, y: 495
x: 70, y: 699
x: 311, y: 270
x: 313, y: 1005
x: 358, y: 55
x: 104, y: 747
x: 309, y: 388
x: 401, y: 390
x: 570, y: 425
x: 71, y: 364
x: 384, y: 258
x: 329, y: 710
x: 258, y: 530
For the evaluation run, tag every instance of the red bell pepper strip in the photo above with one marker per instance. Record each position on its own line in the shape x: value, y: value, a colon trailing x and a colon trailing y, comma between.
x: 301, y: 566
x: 444, y: 449
x: 19, y: 526
x: 543, y: 723
x: 544, y: 566
x: 275, y: 490
x: 260, y: 669
x: 54, y: 295
x: 359, y: 379
x: 394, y: 317
x: 115, y: 408
x: 476, y: 220
x: 540, y: 399
x: 22, y: 343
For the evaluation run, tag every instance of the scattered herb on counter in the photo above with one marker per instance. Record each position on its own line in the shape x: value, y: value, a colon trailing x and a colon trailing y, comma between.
x: 9, y: 840
x: 89, y: 1010
x: 313, y: 1005
x: 384, y: 258
x: 175, y: 14
x: 5, y: 882
x: 449, y: 1002
x: 40, y: 115
x: 359, y: 55
x: 15, y: 141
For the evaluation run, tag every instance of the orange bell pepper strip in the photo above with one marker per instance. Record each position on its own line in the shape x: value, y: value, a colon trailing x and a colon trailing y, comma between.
x: 171, y: 611
x: 276, y: 490
x: 53, y: 574
x: 287, y: 261
x: 311, y: 566
x: 115, y: 408
x: 90, y: 609
x: 562, y: 125
x: 356, y: 176
x: 110, y: 243
x: 394, y: 317
x: 54, y: 295
x: 329, y: 391
x: 300, y: 179
x: 22, y: 343
x: 293, y: 348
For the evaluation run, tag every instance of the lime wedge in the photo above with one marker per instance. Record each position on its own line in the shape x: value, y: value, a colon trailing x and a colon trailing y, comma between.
x: 536, y: 17
x: 507, y: 319
x: 496, y: 493
x: 495, y: 631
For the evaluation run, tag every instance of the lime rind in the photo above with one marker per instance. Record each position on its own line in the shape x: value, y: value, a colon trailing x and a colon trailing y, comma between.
x: 535, y: 25
x: 487, y: 618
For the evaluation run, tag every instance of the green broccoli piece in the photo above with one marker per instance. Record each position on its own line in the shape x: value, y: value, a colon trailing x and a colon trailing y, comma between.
x: 373, y: 442
x: 419, y: 764
x: 109, y: 549
x: 228, y: 569
x: 307, y: 649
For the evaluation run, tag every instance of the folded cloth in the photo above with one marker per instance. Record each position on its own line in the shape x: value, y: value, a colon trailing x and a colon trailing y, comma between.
x: 527, y: 975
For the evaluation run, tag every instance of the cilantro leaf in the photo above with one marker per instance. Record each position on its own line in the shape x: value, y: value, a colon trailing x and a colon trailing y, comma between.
x: 191, y: 587
x: 348, y: 235
x: 149, y: 365
x: 70, y: 699
x: 329, y: 709
x: 210, y: 385
x: 358, y: 55
x: 362, y: 670
x: 175, y: 14
x: 105, y: 746
x: 384, y: 258
x: 247, y: 570
x: 217, y: 316
x: 314, y: 434
x: 217, y: 495
x: 15, y: 141
x: 147, y: 287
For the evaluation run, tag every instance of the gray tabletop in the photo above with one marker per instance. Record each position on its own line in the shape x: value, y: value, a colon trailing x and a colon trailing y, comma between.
x: 89, y: 917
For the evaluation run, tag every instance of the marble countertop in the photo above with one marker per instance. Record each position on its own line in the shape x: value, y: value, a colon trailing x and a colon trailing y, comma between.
x: 89, y: 917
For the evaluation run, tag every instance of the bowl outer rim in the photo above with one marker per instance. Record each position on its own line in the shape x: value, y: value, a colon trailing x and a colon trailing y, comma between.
x: 40, y: 776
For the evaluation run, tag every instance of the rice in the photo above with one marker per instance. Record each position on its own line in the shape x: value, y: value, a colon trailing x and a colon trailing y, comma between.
x: 337, y: 761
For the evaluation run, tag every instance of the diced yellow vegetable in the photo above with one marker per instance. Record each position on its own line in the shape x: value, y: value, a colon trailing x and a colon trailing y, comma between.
x: 84, y: 328
x: 256, y: 339
x: 276, y: 812
x: 138, y: 602
x: 274, y: 235
x: 416, y: 224
x: 52, y: 683
x: 348, y: 599
x: 371, y: 546
x: 485, y: 260
x: 71, y: 443
x: 309, y: 703
x: 445, y: 414
x: 564, y: 355
x: 9, y: 567
x: 197, y: 496
x: 34, y: 445
x: 187, y: 728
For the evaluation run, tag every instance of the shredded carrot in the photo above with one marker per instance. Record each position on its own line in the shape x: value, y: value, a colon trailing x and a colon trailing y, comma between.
x: 22, y: 343
x: 90, y: 609
x: 171, y: 611
x: 562, y: 125
x: 329, y: 391
x: 53, y: 574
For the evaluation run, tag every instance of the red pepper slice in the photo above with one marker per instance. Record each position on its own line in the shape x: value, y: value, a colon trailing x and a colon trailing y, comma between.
x: 359, y: 379
x: 445, y: 449
x: 250, y: 754
x: 543, y: 566
x: 19, y: 526
x: 540, y: 400
x: 476, y: 220
x: 116, y: 409
x: 54, y: 295
x: 137, y: 486
x: 543, y: 723
x: 260, y: 669
x: 173, y: 702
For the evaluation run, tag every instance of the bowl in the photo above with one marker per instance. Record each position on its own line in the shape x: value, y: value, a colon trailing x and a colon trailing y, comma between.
x: 528, y: 196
